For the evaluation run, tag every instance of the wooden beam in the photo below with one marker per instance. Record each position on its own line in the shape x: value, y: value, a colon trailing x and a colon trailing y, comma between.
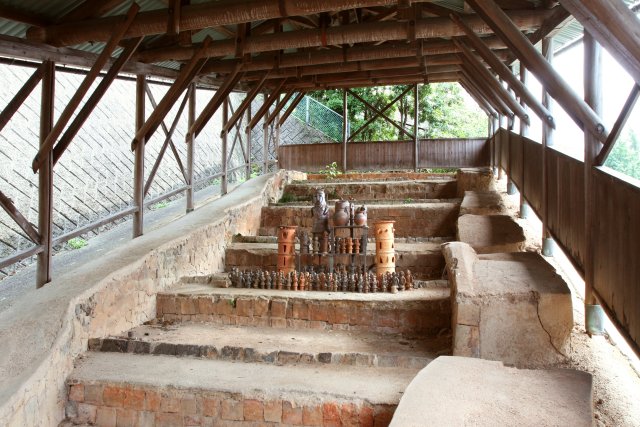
x: 479, y: 98
x: 20, y: 97
x: 487, y: 94
x: 579, y: 111
x: 354, y: 33
x: 89, y: 9
x: 345, y: 130
x: 173, y: 26
x: 19, y: 219
x: 291, y: 107
x: 215, y: 103
x: 75, y: 100
x: 247, y: 172
x: 94, y: 99
x: 547, y: 141
x: 498, y: 66
x: 243, y: 106
x: 13, y: 14
x: 265, y: 106
x: 491, y: 80
x: 45, y: 177
x: 416, y: 153
x: 191, y: 146
x: 627, y: 108
x: 379, y: 113
x: 138, y: 163
x: 613, y: 25
x: 185, y: 77
x: 279, y: 106
x: 225, y: 167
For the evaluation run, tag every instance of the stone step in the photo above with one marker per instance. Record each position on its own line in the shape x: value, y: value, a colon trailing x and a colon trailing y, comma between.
x: 425, y: 312
x: 490, y: 233
x: 425, y: 260
x: 372, y: 190
x: 130, y: 389
x: 378, y: 176
x: 436, y: 219
x: 276, y: 346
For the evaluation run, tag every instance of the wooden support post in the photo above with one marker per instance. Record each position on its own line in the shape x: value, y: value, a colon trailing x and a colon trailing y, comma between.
x: 279, y: 106
x: 627, y: 108
x: 225, y: 169
x: 247, y: 174
x: 547, y: 141
x: 265, y: 147
x: 21, y: 96
x: 18, y: 218
x: 291, y: 107
x: 268, y: 102
x: 524, y: 132
x: 416, y: 142
x: 45, y: 175
x: 138, y: 165
x: 486, y: 92
x: 577, y: 109
x: 345, y: 137
x: 190, y: 146
x: 237, y: 115
x: 379, y: 113
x: 592, y: 146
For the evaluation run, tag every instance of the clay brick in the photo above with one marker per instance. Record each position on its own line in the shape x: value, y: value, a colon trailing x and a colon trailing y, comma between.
x: 244, y: 307
x: 93, y: 394
x: 387, y: 319
x: 167, y: 305
x: 86, y: 413
x: 188, y: 405
x: 297, y: 323
x: 126, y: 418
x: 382, y: 417
x: 146, y: 419
x: 187, y: 306
x: 273, y: 411
x: 113, y: 396
x: 260, y: 322
x: 134, y: 399
x: 279, y: 323
x: 170, y: 404
x: 317, y: 324
x: 76, y: 393
x: 279, y: 308
x: 291, y: 413
x: 330, y: 414
x: 169, y: 420
x: 318, y: 312
x: 106, y: 417
x: 253, y: 410
x: 410, y: 319
x: 349, y: 414
x: 224, y: 306
x: 152, y: 401
x: 193, y: 420
x: 205, y: 306
x: 362, y: 316
x: 231, y: 410
x: 339, y: 314
x: 211, y: 407
x: 312, y: 416
x: 261, y: 307
x: 366, y: 416
x: 300, y: 311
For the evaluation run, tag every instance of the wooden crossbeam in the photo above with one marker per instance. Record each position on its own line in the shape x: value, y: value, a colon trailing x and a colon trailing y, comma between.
x: 479, y: 99
x: 89, y: 9
x: 168, y: 132
x: 216, y: 101
x: 183, y: 80
x: 235, y: 116
x: 498, y: 66
x: 578, y: 110
x: 490, y: 79
x: 14, y: 14
x: 618, y: 125
x: 486, y: 92
x: 379, y: 113
x: 280, y: 105
x: 20, y: 97
x: 94, y: 99
x: 267, y: 103
x: 291, y: 107
x: 82, y: 90
x: 19, y: 219
x: 166, y: 143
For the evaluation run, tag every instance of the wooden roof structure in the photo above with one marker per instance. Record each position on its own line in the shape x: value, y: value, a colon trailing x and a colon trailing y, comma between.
x: 288, y: 47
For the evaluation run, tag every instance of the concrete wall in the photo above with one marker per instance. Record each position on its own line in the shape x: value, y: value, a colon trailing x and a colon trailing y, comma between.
x: 47, y: 329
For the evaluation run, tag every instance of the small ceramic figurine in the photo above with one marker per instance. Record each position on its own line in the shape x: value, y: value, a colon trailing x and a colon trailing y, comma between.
x: 356, y: 246
x: 305, y: 242
x: 289, y: 278
x: 322, y: 281
x: 409, y: 279
x: 385, y: 283
x: 394, y: 284
x: 360, y: 284
x: 349, y: 245
x: 373, y: 280
x: 302, y: 281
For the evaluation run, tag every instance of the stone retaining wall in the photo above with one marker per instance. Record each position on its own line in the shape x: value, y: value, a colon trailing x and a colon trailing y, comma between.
x: 46, y: 330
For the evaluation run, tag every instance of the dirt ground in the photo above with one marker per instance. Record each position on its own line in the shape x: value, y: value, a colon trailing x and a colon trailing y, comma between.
x: 615, y: 369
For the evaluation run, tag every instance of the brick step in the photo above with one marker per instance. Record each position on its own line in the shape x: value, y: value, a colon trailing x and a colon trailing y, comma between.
x: 437, y: 219
x: 372, y: 190
x: 425, y: 311
x: 110, y: 389
x: 425, y: 260
x: 277, y: 346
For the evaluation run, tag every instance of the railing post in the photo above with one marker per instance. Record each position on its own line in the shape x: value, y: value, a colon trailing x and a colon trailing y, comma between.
x: 594, y: 315
x: 547, y: 141
x: 345, y: 116
x: 45, y: 176
x: 524, y: 132
x: 138, y: 166
x: 225, y: 117
x: 265, y: 148
x: 416, y: 142
x: 247, y: 175
x: 306, y: 113
x: 190, y: 146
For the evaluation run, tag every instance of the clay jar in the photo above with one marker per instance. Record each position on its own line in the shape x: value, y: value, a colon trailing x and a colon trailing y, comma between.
x: 341, y: 214
x: 360, y: 217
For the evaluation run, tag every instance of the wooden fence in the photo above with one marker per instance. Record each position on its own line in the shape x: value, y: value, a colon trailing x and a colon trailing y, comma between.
x: 432, y: 153
x: 616, y: 235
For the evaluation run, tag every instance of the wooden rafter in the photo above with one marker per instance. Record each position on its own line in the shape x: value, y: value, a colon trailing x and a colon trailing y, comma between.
x: 89, y: 9
x: 618, y: 125
x: 235, y: 116
x: 20, y: 97
x: 291, y: 107
x: 19, y: 219
x: 267, y: 103
x: 279, y: 106
x: 75, y: 100
x: 15, y: 14
x: 379, y: 113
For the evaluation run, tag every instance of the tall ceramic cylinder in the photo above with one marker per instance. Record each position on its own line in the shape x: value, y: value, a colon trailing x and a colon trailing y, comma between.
x: 287, y: 248
x: 385, y: 248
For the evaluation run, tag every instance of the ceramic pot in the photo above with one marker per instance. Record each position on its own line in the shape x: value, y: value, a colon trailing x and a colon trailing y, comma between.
x: 341, y: 214
x: 360, y: 217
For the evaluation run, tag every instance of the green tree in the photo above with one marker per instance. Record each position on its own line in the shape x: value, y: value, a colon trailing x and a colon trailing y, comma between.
x: 625, y: 156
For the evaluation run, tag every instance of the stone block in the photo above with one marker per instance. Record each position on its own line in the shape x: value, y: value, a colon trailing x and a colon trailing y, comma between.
x: 482, y: 203
x: 491, y: 233
x: 312, y: 415
x: 106, y: 417
x: 291, y: 413
x: 76, y: 392
x: 231, y: 409
x: 253, y: 410
x: 273, y: 411
x: 113, y: 396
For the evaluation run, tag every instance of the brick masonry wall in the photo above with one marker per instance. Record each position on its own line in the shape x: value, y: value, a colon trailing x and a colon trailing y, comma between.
x: 56, y: 323
x: 111, y: 405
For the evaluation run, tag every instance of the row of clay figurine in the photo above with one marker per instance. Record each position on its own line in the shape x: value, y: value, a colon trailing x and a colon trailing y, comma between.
x: 328, y: 282
x: 323, y: 244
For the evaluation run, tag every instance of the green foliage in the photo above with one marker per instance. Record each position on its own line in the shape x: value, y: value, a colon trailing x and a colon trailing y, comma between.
x: 77, y: 243
x: 408, y: 200
x: 331, y: 170
x: 287, y: 198
x: 625, y: 156
x: 256, y: 170
x: 160, y: 205
x: 438, y: 170
x: 442, y: 112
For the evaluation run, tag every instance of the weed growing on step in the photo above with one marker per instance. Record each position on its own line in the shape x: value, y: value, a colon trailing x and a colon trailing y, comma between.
x: 408, y: 200
x: 331, y: 170
x: 77, y: 243
x: 160, y: 205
